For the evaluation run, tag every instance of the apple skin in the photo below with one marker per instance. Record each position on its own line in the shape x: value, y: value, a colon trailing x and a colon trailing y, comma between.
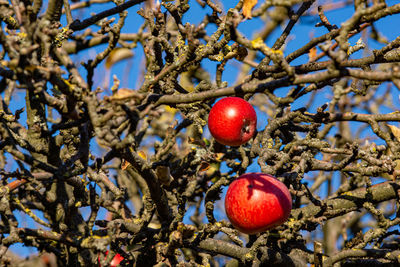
x: 115, y: 261
x: 256, y: 202
x: 232, y: 121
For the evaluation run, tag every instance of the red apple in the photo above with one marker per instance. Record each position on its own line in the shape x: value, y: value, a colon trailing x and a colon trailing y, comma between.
x: 256, y: 202
x: 232, y: 121
x: 115, y: 261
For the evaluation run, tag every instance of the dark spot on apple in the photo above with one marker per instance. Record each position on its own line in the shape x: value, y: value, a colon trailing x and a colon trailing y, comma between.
x: 246, y: 126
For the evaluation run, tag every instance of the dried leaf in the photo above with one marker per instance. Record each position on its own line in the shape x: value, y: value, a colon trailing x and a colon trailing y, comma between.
x: 170, y: 109
x: 142, y: 154
x: 211, y: 171
x: 395, y: 131
x: 164, y: 175
x: 206, y: 141
x: 117, y: 55
x: 123, y: 93
x: 241, y: 53
x: 204, y: 166
x: 196, y: 141
x: 186, y: 81
x: 125, y: 164
x: 219, y: 156
x: 247, y: 7
x: 312, y: 54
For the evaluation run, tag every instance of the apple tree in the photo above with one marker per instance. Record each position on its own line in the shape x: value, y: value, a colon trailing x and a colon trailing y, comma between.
x: 106, y: 154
